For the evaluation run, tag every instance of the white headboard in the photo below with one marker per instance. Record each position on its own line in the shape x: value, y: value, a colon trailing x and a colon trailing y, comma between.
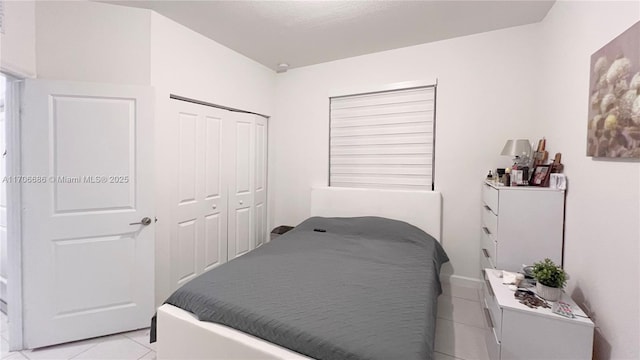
x: 419, y: 208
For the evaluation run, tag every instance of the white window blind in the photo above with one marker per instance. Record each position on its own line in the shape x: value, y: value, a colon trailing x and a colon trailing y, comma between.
x: 383, y: 140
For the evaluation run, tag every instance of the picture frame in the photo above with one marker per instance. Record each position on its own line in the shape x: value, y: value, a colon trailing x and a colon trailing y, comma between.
x: 516, y: 177
x: 613, y: 112
x: 557, y: 181
x: 540, y: 175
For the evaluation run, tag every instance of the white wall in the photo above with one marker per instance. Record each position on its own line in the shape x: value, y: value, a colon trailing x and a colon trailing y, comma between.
x: 186, y: 63
x: 95, y: 42
x: 191, y: 65
x: 18, y: 43
x: 602, y: 234
x: 485, y: 82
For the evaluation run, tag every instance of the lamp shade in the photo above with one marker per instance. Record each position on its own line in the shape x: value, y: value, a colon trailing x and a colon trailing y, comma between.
x: 519, y: 147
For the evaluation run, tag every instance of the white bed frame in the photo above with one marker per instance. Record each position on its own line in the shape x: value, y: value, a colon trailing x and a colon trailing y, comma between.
x: 180, y: 335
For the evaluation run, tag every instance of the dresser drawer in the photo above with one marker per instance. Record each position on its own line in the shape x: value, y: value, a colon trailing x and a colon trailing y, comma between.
x: 493, y: 345
x: 490, y: 223
x: 494, y: 311
x: 485, y: 263
x: 490, y: 197
x: 489, y: 248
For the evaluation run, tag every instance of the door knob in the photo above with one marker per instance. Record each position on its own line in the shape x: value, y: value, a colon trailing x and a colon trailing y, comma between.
x: 145, y: 221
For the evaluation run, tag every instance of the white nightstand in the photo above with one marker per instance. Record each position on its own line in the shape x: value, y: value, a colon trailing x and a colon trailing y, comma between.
x: 519, y: 332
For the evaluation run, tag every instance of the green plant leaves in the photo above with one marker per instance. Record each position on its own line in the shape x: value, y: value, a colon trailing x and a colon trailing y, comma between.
x: 549, y: 274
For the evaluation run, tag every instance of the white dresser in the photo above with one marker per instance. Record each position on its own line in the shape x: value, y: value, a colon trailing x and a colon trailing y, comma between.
x: 520, y: 225
x: 519, y: 332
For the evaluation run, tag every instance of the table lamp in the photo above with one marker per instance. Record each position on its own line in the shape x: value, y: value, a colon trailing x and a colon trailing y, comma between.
x: 520, y: 149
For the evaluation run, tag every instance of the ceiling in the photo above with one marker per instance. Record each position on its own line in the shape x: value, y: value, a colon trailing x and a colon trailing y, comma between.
x: 303, y: 33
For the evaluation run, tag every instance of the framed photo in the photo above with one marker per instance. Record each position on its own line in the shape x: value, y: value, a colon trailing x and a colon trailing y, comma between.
x: 516, y: 177
x: 557, y: 181
x: 540, y: 176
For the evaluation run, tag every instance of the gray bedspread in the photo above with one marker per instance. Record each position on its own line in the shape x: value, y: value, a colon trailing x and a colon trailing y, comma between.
x: 366, y: 288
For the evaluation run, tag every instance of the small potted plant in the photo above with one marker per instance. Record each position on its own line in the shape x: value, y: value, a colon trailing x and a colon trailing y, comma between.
x: 550, y: 279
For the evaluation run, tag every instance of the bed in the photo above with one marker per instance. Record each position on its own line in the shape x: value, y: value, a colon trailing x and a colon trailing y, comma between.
x: 338, y: 287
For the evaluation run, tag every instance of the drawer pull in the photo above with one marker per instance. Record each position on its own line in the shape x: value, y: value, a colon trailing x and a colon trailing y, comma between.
x: 487, y: 207
x: 489, y: 289
x: 488, y: 317
x: 486, y: 230
x: 486, y: 253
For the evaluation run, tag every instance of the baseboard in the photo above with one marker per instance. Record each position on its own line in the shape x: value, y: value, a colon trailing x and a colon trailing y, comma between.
x: 463, y: 281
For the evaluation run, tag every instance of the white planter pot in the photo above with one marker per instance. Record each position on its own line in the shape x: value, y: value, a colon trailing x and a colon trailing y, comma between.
x: 548, y: 293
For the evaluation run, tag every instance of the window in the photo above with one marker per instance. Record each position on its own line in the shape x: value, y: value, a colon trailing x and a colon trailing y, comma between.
x: 383, y: 139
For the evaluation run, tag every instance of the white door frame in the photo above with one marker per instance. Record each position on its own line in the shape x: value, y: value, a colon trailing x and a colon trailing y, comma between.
x: 14, y: 204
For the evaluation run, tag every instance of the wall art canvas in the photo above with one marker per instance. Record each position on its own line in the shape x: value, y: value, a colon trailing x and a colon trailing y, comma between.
x: 614, y: 98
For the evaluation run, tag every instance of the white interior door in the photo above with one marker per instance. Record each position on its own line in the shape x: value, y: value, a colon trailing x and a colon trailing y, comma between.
x: 260, y: 186
x: 87, y: 158
x: 199, y: 223
x: 242, y: 184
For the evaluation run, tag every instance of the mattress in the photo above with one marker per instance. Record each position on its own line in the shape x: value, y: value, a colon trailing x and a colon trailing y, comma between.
x: 332, y: 288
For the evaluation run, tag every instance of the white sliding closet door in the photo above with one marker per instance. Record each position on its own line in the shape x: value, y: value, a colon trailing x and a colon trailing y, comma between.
x: 199, y: 219
x: 242, y: 183
x: 218, y: 210
x: 260, y: 196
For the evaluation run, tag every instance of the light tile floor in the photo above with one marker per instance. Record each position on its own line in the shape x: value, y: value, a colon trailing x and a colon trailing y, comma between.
x: 460, y: 331
x: 126, y: 346
x: 460, y: 326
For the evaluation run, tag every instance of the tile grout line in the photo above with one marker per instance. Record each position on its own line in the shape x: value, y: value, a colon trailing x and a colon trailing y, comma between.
x: 145, y: 354
x: 457, y: 322
x: 453, y: 355
x: 121, y: 336
x: 146, y: 345
x: 460, y: 297
x: 463, y: 298
x: 85, y: 350
x: 440, y: 352
x: 139, y: 343
x: 100, y: 340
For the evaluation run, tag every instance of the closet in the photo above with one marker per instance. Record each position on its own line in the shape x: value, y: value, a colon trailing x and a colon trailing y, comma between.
x: 218, y: 199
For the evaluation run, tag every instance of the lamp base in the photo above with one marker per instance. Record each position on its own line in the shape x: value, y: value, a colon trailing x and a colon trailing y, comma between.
x: 520, y: 162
